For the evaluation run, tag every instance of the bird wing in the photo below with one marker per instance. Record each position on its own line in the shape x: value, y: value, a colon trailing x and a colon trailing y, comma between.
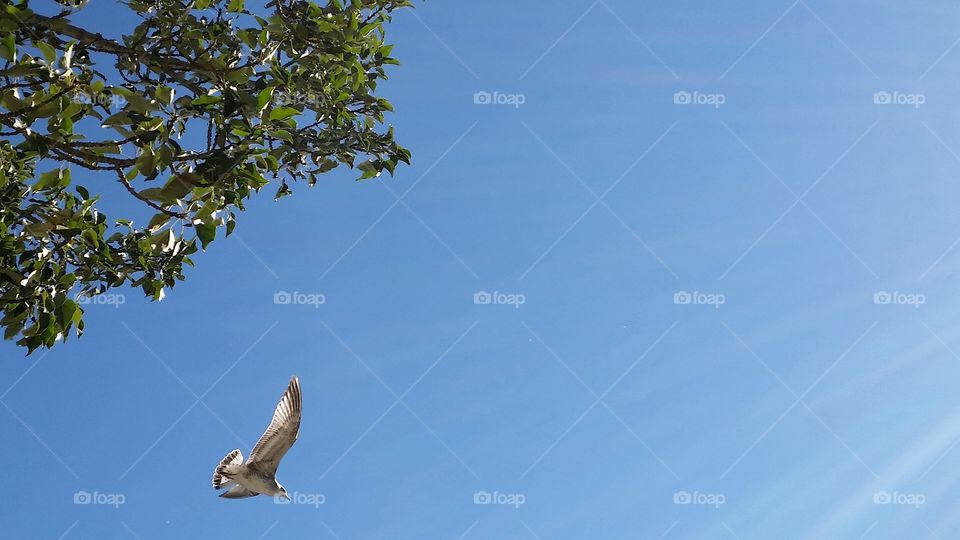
x: 238, y: 492
x: 281, y: 433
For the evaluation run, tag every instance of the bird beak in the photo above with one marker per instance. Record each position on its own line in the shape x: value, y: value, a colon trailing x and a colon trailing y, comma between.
x: 284, y: 496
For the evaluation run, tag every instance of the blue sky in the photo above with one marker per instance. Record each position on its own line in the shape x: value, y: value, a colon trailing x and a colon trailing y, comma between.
x: 746, y: 303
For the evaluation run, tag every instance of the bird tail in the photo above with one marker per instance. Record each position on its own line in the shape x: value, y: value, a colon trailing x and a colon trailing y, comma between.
x: 226, y: 468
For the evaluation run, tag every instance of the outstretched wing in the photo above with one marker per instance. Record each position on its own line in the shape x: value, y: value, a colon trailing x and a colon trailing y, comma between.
x: 237, y: 491
x: 282, y: 432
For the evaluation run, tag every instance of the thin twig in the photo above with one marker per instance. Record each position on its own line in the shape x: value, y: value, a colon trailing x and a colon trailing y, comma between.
x: 151, y: 204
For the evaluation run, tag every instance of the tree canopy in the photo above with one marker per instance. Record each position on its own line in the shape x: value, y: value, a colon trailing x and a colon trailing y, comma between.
x: 201, y: 105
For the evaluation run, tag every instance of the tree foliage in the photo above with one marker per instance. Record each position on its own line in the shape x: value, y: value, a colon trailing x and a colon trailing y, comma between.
x: 199, y: 106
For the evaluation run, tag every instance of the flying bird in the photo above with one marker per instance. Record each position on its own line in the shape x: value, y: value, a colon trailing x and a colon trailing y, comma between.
x: 259, y: 474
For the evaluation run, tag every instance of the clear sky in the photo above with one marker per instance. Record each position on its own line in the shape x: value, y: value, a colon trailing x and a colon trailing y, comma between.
x: 743, y: 297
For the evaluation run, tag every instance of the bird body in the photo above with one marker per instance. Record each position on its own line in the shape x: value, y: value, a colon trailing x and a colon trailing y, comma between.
x: 258, y: 475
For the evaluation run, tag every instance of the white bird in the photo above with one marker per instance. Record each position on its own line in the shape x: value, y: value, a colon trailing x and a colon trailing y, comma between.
x: 259, y: 474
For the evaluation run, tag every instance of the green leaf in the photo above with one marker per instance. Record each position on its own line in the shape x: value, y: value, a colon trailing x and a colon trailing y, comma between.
x: 152, y: 124
x: 164, y: 156
x: 135, y: 101
x: 146, y: 162
x: 282, y: 191
x: 13, y: 329
x: 49, y: 53
x: 158, y: 221
x: 206, y: 232
x: 91, y: 237
x: 164, y: 94
x: 205, y: 100
x: 118, y: 119
x: 328, y: 165
x: 369, y: 170
x: 54, y: 179
x: 282, y: 113
x: 264, y: 97
x: 8, y: 47
x: 67, y: 310
x: 174, y: 189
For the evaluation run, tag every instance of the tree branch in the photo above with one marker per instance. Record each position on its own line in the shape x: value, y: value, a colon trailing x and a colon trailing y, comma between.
x: 151, y: 204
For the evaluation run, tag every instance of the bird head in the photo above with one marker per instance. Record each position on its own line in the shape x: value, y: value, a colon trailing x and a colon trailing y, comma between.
x: 283, y: 494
